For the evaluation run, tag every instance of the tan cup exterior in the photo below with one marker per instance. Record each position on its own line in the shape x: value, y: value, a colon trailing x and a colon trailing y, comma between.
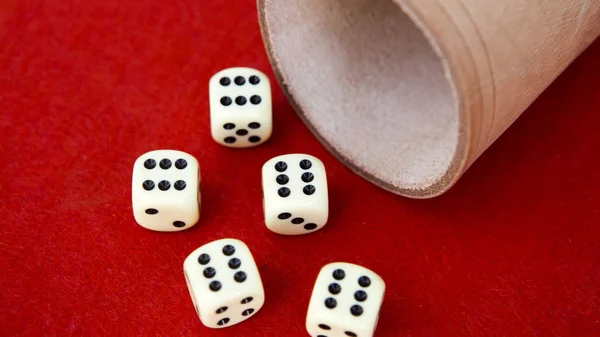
x: 497, y: 58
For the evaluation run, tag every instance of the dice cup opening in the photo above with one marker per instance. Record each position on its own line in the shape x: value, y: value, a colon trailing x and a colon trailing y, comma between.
x: 409, y: 93
x: 372, y: 88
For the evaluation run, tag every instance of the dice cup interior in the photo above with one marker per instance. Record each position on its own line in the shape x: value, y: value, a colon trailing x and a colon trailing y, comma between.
x: 408, y: 93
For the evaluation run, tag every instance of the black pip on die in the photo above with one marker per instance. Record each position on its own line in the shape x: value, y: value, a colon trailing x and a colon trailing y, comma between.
x: 224, y: 283
x: 295, y: 194
x: 240, y: 107
x: 345, y: 301
x: 165, y: 190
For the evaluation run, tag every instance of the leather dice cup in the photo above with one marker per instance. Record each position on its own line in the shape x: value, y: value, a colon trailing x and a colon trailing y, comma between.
x: 410, y: 92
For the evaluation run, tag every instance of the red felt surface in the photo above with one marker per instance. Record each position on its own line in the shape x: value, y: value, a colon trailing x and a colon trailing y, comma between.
x: 86, y: 86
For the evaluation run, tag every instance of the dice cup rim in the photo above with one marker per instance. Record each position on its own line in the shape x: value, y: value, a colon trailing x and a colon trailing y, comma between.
x: 455, y: 80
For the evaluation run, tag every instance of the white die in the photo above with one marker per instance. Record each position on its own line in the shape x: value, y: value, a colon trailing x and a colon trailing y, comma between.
x: 345, y: 301
x: 165, y: 190
x: 224, y: 283
x: 240, y: 107
x: 295, y: 194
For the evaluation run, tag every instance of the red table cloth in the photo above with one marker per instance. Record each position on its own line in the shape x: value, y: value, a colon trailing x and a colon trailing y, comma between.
x: 87, y: 86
